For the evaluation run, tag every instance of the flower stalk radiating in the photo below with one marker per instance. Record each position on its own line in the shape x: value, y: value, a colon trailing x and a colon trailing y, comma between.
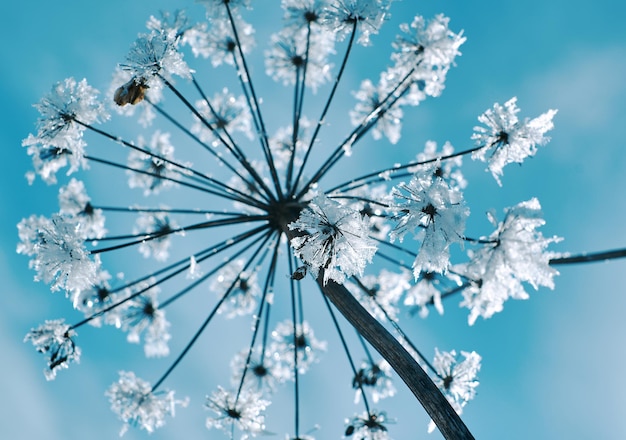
x: 258, y: 225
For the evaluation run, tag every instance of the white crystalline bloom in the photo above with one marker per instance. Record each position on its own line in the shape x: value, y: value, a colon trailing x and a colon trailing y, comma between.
x: 449, y: 169
x: 368, y: 426
x: 281, y: 145
x: 514, y: 253
x: 304, y: 342
x: 262, y: 372
x: 425, y: 51
x: 335, y: 239
x: 244, y: 289
x: 429, y: 204
x: 376, y: 378
x: 58, y: 252
x: 302, y: 13
x: 380, y: 294
x: 244, y: 410
x: 154, y: 55
x: 226, y: 114
x: 158, y: 228
x: 370, y: 202
x: 432, y: 44
x: 506, y: 139
x: 95, y: 299
x: 285, y: 60
x: 158, y: 164
x: 218, y: 42
x: 134, y: 402
x: 367, y: 15
x: 59, y: 139
x: 141, y: 315
x: 369, y: 98
x: 54, y: 339
x: 74, y: 202
x: 425, y: 292
x: 457, y: 379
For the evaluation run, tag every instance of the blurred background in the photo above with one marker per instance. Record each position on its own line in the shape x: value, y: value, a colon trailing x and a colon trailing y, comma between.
x: 551, y: 365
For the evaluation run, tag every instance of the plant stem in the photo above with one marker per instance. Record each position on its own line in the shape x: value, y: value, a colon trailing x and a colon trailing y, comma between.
x: 420, y: 384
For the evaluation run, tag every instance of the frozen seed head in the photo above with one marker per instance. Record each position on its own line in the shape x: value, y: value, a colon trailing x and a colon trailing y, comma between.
x: 55, y: 340
x: 136, y: 404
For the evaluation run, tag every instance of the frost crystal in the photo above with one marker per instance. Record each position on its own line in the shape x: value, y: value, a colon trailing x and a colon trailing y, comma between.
x: 137, y: 404
x: 243, y: 410
x: 155, y: 167
x: 142, y: 315
x: 370, y: 98
x: 431, y: 44
x: 158, y: 229
x: 367, y: 15
x: 374, y: 376
x: 507, y: 139
x: 303, y: 342
x: 368, y: 426
x: 380, y: 294
x: 218, y: 42
x: 335, y: 239
x: 155, y: 55
x: 428, y: 203
x: 514, y: 253
x: 223, y: 113
x: 292, y: 50
x: 54, y: 339
x: 58, y: 252
x: 242, y: 288
x: 456, y: 379
x: 64, y: 115
x: 262, y: 372
x: 74, y: 202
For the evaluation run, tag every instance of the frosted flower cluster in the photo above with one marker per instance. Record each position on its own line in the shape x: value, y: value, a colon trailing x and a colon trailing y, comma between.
x: 244, y: 208
x: 55, y: 340
x: 136, y: 404
x: 457, y: 379
x: 244, y: 410
x: 429, y: 205
x: 506, y: 139
x: 334, y: 239
x: 514, y: 253
x: 64, y: 114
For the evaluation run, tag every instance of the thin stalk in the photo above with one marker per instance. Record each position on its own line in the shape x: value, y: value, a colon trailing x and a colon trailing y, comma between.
x: 268, y: 285
x: 214, y: 250
x: 294, y: 319
x: 187, y: 172
x: 300, y: 87
x: 322, y: 118
x: 254, y: 105
x: 242, y: 160
x: 199, y: 141
x: 347, y: 351
x: 387, y: 174
x: 206, y: 322
x: 148, y: 236
x: 247, y: 200
x: 368, y: 122
x: 589, y: 258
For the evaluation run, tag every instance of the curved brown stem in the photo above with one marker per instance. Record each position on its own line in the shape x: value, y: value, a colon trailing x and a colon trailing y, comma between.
x: 420, y: 384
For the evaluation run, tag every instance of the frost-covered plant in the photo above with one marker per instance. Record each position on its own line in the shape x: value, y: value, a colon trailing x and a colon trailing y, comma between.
x: 261, y: 226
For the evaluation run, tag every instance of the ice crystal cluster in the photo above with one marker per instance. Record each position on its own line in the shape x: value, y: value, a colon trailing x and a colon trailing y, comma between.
x: 232, y: 195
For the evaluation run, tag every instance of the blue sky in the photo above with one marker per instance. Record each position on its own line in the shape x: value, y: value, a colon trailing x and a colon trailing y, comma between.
x: 551, y: 364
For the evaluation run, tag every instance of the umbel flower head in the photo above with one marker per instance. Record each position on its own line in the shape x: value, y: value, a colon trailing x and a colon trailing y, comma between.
x: 236, y: 224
